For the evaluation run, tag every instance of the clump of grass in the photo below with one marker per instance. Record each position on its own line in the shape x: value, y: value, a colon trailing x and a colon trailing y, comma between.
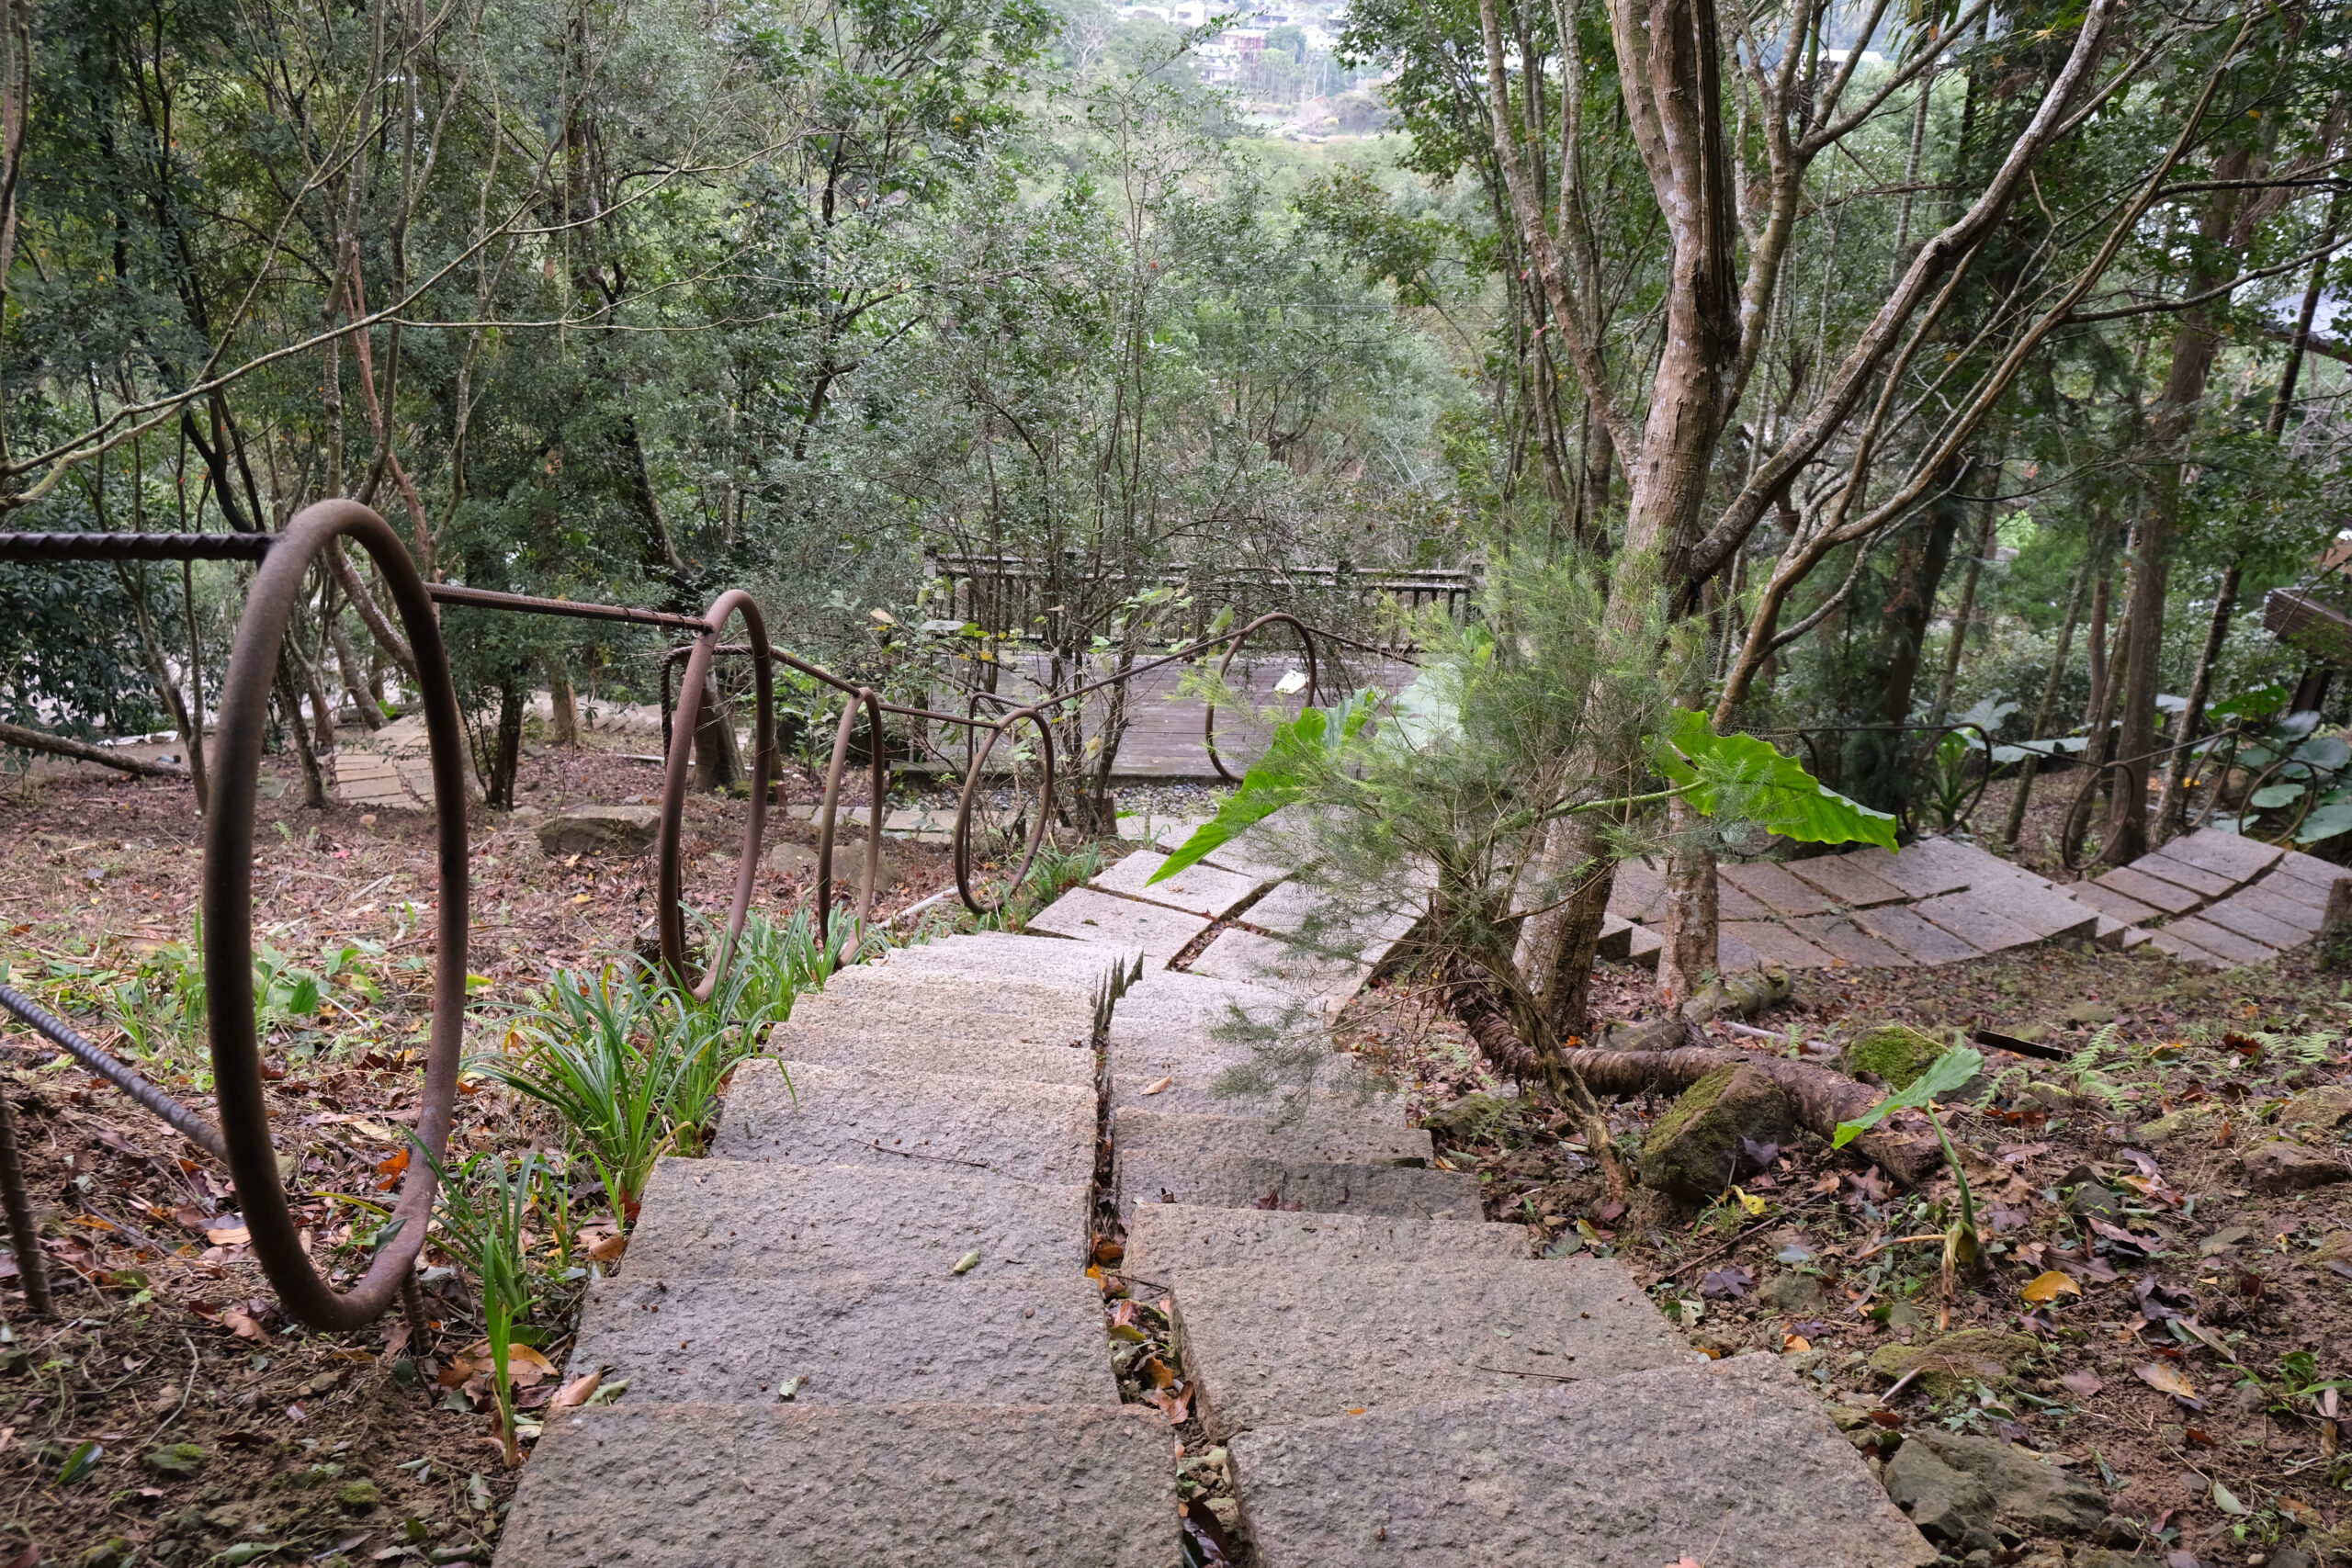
x: 484, y: 1207
x: 1054, y: 872
x: 633, y: 1064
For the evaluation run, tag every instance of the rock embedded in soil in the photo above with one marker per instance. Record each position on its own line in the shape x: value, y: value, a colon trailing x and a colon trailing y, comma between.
x: 1893, y: 1052
x: 2325, y: 1108
x: 1791, y: 1292
x: 601, y: 829
x: 1694, y: 1149
x: 1949, y: 1506
x: 1946, y: 1366
x: 2029, y: 1494
x: 2282, y: 1166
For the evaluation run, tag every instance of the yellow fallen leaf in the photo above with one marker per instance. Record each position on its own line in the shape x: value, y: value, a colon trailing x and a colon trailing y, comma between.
x: 2165, y: 1379
x: 1158, y: 1087
x: 966, y: 1263
x: 1752, y: 1204
x: 2048, y: 1285
x: 525, y: 1366
x: 609, y: 1248
x: 1795, y: 1343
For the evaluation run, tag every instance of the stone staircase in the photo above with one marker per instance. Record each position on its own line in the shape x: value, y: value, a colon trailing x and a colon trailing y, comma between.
x: 861, y: 1334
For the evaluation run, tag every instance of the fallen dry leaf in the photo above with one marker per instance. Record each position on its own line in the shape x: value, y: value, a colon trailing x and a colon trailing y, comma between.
x: 230, y: 1235
x: 2048, y: 1285
x: 577, y: 1390
x: 2082, y: 1384
x: 1795, y: 1343
x: 1158, y: 1086
x: 609, y: 1248
x: 2165, y: 1379
x: 242, y: 1325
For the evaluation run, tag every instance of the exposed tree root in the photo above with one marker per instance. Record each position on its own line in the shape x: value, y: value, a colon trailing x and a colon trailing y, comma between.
x: 59, y: 746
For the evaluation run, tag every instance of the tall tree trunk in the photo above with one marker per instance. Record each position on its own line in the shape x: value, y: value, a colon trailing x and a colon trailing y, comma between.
x: 2100, y: 747
x: 2175, y: 417
x: 196, y: 765
x: 564, y: 704
x: 315, y: 783
x: 355, y: 676
x: 1966, y: 612
x: 717, y: 758
x: 2172, y: 805
x: 1690, y: 930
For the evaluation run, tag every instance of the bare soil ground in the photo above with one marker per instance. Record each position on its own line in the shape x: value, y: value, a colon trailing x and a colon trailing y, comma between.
x: 2119, y: 1174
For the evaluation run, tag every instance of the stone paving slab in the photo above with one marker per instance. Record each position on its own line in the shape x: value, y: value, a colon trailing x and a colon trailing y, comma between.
x: 1732, y: 954
x: 1238, y: 954
x: 1771, y: 884
x: 1771, y: 943
x: 2168, y: 942
x: 2240, y: 917
x: 2221, y: 942
x: 2180, y: 873
x: 2322, y: 875
x: 1269, y: 1346
x: 2114, y: 905
x: 2224, y: 854
x: 1164, y: 1237
x: 1311, y: 1186
x: 1637, y: 893
x: 1006, y: 1336
x: 1238, y: 1079
x: 1042, y: 1132
x: 1849, y: 944
x: 1309, y: 916
x: 1855, y: 886
x: 714, y: 1219
x: 1731, y: 1464
x: 2039, y: 907
x: 1172, y: 1000
x: 2275, y: 897
x: 1925, y: 869
x: 1731, y: 904
x: 1900, y: 927
x: 1983, y: 928
x: 950, y: 1008
x: 943, y: 1048
x: 1147, y: 1141
x: 867, y: 1486
x: 990, y: 957
x: 2153, y: 891
x: 1090, y: 915
x: 1197, y: 890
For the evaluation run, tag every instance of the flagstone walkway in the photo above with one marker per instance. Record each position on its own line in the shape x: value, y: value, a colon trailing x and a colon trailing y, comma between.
x: 861, y: 1334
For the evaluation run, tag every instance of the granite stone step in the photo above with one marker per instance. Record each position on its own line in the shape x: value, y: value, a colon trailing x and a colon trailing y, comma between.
x: 1089, y: 915
x: 2224, y: 854
x: 1149, y: 1141
x: 1198, y: 889
x: 2285, y: 901
x: 1270, y: 1345
x: 848, y: 1487
x: 997, y: 1334
x: 1312, y: 917
x: 1845, y: 882
x: 1239, y: 955
x: 2219, y: 940
x: 1847, y: 942
x: 2239, y: 916
x: 1164, y: 1237
x: 1042, y: 1132
x: 2173, y: 945
x: 1924, y: 869
x: 1027, y: 1015
x: 2170, y: 868
x: 1922, y: 942
x: 1971, y: 917
x: 714, y: 1219
x: 2115, y: 905
x: 1233, y: 1181
x: 988, y: 957
x: 1772, y: 884
x: 944, y: 1042
x: 1728, y: 1463
x: 1771, y: 942
x: 2153, y: 892
x: 1235, y: 1081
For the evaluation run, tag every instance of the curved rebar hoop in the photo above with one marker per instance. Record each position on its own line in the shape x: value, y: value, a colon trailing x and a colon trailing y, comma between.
x: 971, y: 794
x: 671, y: 919
x: 1976, y: 796
x: 826, y: 815
x: 2213, y: 795
x: 228, y: 907
x: 1208, y: 719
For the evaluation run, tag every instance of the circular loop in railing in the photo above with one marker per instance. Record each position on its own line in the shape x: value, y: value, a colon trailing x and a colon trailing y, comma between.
x: 1314, y: 690
x: 964, y: 806
x: 876, y: 804
x: 671, y: 919
x: 228, y: 909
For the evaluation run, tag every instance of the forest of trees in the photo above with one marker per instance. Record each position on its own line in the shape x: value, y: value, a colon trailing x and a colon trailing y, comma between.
x: 1882, y: 363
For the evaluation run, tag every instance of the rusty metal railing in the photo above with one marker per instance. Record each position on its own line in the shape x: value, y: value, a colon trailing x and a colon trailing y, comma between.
x: 241, y: 1137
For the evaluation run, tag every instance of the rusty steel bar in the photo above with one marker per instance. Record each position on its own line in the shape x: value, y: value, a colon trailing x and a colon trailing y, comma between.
x: 524, y: 604
x: 997, y: 732
x: 1208, y: 717
x: 135, y: 547
x: 670, y: 912
x: 120, y: 1073
x: 228, y: 907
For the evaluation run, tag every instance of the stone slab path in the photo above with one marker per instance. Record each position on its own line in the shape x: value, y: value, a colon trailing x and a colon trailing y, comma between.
x: 2211, y: 897
x: 862, y: 1333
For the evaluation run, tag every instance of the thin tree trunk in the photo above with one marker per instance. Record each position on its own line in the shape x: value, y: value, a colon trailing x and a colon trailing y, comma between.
x: 194, y: 690
x: 564, y: 704
x: 2027, y: 769
x: 1966, y: 612
x: 25, y: 739
x: 315, y: 783
x: 2172, y: 806
x: 2100, y: 746
x: 348, y: 666
x: 1691, y: 900
x: 718, y: 761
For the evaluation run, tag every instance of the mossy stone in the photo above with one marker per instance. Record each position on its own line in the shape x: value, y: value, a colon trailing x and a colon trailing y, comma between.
x: 1895, y: 1053
x: 359, y: 1496
x: 1692, y: 1150
x: 176, y: 1458
x: 1947, y: 1366
x: 2187, y: 1119
x: 1473, y: 1117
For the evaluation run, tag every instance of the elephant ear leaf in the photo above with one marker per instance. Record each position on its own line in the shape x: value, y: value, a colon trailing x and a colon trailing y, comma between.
x: 1293, y: 761
x: 1773, y: 790
x: 1945, y: 1074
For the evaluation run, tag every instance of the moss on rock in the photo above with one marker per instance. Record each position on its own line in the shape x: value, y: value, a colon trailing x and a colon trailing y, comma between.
x: 1947, y: 1366
x: 1895, y: 1053
x: 1692, y: 1150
